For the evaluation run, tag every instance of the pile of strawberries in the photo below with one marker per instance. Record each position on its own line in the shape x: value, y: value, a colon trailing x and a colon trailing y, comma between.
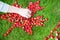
x: 57, y: 36
x: 26, y: 24
x: 33, y: 6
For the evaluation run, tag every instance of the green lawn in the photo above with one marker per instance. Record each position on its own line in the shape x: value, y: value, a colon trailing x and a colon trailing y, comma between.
x: 51, y: 11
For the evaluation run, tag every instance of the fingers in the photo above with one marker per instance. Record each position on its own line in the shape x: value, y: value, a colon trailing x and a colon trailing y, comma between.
x: 28, y: 11
x: 28, y: 16
x: 25, y: 12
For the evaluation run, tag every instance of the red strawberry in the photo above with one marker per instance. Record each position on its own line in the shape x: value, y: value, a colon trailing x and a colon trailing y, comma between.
x: 46, y: 38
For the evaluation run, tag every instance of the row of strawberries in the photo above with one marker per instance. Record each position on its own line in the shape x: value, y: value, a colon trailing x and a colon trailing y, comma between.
x: 57, y: 37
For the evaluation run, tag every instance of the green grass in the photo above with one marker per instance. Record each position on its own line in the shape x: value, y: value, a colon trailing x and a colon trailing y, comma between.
x: 51, y: 11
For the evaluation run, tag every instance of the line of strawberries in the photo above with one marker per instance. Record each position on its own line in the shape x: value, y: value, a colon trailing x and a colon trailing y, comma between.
x: 57, y: 37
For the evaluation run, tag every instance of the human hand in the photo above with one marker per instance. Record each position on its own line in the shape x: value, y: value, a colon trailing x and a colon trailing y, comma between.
x: 22, y: 11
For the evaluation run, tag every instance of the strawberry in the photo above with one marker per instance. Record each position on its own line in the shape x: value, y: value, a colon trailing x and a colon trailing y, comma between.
x: 19, y: 21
